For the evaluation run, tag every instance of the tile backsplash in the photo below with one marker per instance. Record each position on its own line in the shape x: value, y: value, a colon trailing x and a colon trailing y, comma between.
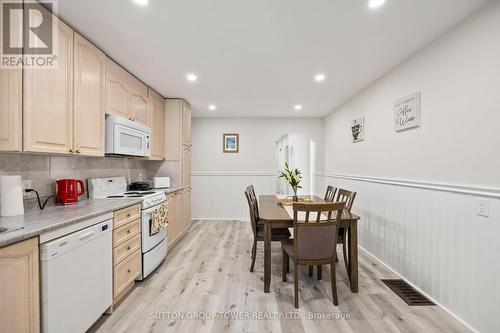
x: 44, y: 170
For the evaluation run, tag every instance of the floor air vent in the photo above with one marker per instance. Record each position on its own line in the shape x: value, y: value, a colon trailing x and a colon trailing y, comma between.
x: 407, y: 293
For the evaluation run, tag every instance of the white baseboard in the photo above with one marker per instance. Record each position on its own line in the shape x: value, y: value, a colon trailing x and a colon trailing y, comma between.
x: 420, y: 290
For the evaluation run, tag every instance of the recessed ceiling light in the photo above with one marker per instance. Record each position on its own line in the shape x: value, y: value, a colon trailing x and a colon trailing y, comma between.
x: 212, y: 107
x: 141, y: 2
x: 373, y: 4
x: 320, y: 77
x: 191, y: 77
x: 298, y: 107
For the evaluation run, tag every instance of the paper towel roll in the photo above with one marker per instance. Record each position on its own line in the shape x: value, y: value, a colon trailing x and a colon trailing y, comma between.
x: 11, y: 196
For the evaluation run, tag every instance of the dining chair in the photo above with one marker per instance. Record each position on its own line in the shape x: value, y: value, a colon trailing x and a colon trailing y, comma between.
x: 330, y: 193
x: 277, y: 234
x: 347, y: 197
x: 314, y: 241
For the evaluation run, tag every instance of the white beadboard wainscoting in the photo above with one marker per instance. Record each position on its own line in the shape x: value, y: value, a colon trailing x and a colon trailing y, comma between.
x: 219, y: 196
x: 432, y: 237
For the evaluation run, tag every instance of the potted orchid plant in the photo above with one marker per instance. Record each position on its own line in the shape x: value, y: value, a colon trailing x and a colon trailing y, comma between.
x: 293, y: 178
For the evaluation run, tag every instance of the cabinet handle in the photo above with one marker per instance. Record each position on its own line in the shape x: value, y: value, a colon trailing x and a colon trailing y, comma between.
x: 78, y: 151
x: 128, y: 215
x: 129, y: 231
x: 129, y: 270
x: 128, y: 248
x: 71, y: 151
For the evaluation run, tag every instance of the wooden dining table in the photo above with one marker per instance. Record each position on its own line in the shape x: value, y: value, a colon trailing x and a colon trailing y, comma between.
x: 274, y: 215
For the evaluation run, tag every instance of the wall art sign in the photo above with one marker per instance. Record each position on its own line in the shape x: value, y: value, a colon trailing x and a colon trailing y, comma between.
x: 231, y: 142
x: 358, y: 129
x: 407, y: 112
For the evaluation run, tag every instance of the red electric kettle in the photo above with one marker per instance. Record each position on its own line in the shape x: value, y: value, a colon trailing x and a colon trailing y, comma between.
x: 67, y: 191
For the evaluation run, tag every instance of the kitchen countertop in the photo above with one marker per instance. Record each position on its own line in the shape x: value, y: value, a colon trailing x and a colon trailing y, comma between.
x: 35, y: 222
x: 171, y: 190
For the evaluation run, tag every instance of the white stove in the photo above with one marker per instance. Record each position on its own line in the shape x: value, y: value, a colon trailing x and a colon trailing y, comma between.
x: 153, y: 245
x: 116, y: 188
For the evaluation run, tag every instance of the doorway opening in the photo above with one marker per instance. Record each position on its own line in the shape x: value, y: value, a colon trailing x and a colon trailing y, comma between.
x: 298, y: 150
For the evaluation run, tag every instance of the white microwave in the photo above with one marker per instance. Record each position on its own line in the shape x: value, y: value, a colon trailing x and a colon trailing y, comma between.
x: 127, y: 138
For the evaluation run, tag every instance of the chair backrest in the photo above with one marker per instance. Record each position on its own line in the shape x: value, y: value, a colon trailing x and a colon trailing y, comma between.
x: 346, y: 196
x: 316, y: 238
x: 252, y: 210
x: 252, y: 190
x: 330, y: 193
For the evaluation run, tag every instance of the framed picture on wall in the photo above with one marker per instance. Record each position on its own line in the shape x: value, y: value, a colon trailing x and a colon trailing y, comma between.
x: 407, y: 112
x: 231, y: 142
x: 358, y: 129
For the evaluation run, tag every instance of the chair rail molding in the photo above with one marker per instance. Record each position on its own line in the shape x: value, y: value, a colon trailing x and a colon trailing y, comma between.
x: 462, y: 189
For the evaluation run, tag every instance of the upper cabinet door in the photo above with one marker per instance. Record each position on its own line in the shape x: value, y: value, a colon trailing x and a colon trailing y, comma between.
x: 48, y: 98
x: 173, y: 129
x: 140, y: 111
x: 157, y: 107
x: 117, y: 90
x: 11, y: 100
x: 186, y: 123
x: 89, y: 98
x: 10, y: 110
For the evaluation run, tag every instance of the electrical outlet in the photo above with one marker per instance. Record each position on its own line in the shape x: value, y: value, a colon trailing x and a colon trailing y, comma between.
x: 483, y: 207
x: 26, y: 185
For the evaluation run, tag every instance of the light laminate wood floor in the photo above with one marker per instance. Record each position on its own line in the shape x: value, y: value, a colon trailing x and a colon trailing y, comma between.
x: 208, y: 271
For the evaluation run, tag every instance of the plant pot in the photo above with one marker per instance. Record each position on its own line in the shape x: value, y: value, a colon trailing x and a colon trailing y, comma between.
x: 295, y: 198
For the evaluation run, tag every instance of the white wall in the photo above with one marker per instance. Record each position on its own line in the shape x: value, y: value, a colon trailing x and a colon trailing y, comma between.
x: 219, y: 179
x: 429, y: 232
x: 457, y: 143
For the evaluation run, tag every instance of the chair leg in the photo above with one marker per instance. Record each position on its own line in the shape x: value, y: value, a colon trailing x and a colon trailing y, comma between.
x: 296, y: 285
x: 320, y: 272
x: 254, y: 254
x: 334, y: 284
x: 344, y: 249
x: 336, y: 256
x: 311, y: 270
x: 285, y: 264
x: 253, y: 248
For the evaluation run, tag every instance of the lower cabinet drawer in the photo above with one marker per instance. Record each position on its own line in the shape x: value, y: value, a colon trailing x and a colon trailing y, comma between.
x: 126, y: 232
x: 124, y: 250
x: 126, y: 272
x: 126, y: 215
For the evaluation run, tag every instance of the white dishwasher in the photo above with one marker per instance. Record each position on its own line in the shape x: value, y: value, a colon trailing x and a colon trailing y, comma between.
x: 77, y: 279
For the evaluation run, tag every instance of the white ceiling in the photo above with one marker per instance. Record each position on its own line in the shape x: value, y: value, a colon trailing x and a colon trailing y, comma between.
x: 259, y: 57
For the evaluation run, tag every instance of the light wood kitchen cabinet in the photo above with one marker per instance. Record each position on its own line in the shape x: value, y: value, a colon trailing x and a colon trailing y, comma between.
x: 173, y: 129
x: 186, y: 124
x: 89, y: 98
x: 157, y: 106
x: 19, y: 288
x: 11, y: 99
x: 126, y: 96
x: 117, y: 90
x: 139, y: 110
x: 177, y: 128
x: 186, y: 165
x: 186, y: 207
x: 179, y: 215
x: 127, y: 259
x: 48, y: 99
x: 11, y: 110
